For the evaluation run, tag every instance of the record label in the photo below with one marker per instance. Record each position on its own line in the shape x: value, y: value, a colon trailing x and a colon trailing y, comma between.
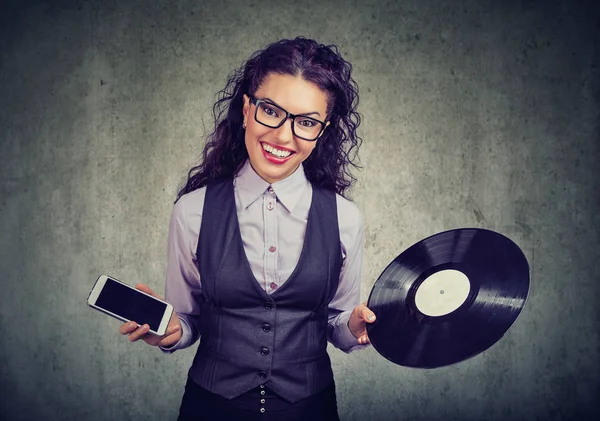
x: 442, y: 293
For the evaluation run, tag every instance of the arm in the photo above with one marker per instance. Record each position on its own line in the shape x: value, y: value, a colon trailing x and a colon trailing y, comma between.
x: 183, y: 288
x: 347, y: 297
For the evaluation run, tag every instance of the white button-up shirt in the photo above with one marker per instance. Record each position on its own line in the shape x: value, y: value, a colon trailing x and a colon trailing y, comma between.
x: 272, y: 221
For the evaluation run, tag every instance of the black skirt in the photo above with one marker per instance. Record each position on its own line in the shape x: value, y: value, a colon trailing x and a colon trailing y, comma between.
x: 260, y: 404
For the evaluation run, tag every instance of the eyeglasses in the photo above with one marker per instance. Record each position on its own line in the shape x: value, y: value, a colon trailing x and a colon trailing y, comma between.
x: 273, y: 116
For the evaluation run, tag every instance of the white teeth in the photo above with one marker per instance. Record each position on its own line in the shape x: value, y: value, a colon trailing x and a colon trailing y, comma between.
x: 276, y: 152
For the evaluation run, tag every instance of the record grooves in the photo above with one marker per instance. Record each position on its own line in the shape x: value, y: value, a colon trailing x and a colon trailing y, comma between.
x: 448, y: 298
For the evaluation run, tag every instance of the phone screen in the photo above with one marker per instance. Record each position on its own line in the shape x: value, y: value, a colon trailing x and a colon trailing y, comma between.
x: 131, y: 304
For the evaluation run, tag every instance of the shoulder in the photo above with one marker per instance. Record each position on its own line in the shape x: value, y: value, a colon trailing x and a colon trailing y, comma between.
x: 188, y: 209
x: 350, y: 222
x: 347, y: 211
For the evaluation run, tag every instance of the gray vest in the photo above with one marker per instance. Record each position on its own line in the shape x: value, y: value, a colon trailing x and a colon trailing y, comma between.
x: 249, y: 337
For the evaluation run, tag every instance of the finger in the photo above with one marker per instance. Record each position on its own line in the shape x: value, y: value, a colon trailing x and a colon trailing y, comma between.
x: 367, y: 315
x: 171, y: 330
x: 127, y: 328
x: 138, y: 333
x: 145, y: 288
x: 153, y: 339
x: 169, y: 340
x: 171, y: 335
x: 364, y: 339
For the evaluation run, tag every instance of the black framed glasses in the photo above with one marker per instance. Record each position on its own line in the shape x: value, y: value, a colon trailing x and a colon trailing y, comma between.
x: 273, y: 116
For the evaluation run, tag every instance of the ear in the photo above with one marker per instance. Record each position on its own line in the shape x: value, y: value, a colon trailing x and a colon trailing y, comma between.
x: 246, y: 109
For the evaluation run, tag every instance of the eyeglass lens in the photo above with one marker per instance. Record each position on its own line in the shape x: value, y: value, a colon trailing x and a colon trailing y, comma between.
x: 272, y: 116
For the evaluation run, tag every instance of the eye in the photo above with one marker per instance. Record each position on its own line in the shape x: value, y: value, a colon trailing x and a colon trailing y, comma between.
x: 268, y: 110
x: 308, y: 123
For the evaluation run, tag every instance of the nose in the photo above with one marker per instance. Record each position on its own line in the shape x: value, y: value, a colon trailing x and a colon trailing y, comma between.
x: 284, y: 133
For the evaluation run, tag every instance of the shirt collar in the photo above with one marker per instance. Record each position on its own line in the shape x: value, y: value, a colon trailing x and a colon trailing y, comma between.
x: 250, y: 186
x: 290, y: 189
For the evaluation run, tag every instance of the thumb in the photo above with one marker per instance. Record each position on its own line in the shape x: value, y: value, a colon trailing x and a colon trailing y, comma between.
x: 367, y: 315
x: 145, y: 288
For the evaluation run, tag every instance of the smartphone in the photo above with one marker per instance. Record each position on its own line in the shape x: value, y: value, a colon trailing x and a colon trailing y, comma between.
x: 117, y: 299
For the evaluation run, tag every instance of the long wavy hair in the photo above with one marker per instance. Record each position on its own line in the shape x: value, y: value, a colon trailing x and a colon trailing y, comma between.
x: 328, y: 165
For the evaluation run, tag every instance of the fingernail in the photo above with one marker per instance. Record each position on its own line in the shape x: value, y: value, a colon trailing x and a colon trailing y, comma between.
x: 371, y: 317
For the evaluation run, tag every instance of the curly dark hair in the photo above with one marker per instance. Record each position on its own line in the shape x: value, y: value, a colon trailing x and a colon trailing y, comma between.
x: 328, y: 166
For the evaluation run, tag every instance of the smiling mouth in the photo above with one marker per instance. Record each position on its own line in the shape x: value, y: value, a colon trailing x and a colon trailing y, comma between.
x: 276, y: 152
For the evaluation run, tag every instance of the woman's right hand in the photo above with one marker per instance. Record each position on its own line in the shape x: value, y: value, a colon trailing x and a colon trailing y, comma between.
x: 171, y: 336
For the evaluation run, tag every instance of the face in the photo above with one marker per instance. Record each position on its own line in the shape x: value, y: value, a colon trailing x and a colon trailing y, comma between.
x: 276, y: 153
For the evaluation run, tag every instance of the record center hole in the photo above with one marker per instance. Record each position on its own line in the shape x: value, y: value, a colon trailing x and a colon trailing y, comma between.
x: 442, y: 291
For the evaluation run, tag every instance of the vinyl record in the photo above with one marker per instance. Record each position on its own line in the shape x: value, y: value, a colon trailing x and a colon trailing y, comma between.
x: 448, y: 298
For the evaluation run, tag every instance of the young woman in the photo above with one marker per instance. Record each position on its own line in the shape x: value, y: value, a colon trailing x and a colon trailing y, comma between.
x: 264, y: 250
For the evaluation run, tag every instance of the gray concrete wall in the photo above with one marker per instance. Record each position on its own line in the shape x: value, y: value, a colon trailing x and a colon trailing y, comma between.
x: 476, y: 113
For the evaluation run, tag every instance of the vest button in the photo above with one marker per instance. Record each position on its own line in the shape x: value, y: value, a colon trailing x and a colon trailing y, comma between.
x: 262, y: 374
x: 264, y: 351
x: 266, y: 327
x: 268, y: 305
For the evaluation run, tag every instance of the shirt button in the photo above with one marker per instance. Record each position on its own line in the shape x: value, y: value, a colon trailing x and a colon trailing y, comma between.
x: 268, y: 305
x: 262, y: 374
x: 264, y: 351
x: 262, y: 392
x: 266, y: 327
x: 273, y: 285
x: 270, y: 206
x: 271, y: 190
x: 262, y: 410
x: 272, y: 249
x: 262, y: 401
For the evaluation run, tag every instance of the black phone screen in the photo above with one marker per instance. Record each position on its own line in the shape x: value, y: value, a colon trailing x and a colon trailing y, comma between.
x: 131, y: 304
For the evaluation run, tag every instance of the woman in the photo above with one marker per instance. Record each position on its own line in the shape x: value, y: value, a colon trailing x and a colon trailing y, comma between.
x: 264, y: 250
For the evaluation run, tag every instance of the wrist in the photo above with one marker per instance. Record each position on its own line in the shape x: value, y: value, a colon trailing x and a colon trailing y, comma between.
x: 350, y: 328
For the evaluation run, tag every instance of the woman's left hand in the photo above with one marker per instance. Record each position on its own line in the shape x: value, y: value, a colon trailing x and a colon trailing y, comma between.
x: 357, y: 323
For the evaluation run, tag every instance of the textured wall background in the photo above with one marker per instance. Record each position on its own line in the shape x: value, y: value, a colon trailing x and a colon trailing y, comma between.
x: 476, y: 113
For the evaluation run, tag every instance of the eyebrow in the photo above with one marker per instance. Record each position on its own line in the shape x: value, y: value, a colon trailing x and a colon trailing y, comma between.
x: 276, y: 104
